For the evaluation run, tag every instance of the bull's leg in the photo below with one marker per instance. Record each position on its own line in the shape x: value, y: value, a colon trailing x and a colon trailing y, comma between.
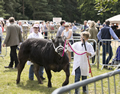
x: 36, y: 71
x: 21, y: 65
x: 49, y: 75
x: 67, y: 72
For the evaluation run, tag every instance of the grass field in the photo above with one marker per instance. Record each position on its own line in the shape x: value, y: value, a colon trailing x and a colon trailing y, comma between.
x: 8, y: 80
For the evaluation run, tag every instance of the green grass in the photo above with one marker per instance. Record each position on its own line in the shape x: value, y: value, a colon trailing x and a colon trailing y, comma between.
x: 8, y: 80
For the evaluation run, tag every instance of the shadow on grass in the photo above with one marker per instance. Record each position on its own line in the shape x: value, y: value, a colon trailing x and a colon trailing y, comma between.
x: 34, y: 86
x: 10, y: 70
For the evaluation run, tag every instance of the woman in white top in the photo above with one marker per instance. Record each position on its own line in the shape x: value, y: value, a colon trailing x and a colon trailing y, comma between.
x: 69, y: 35
x: 35, y: 34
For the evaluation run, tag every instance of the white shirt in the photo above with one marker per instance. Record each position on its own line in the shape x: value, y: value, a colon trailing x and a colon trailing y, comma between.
x: 66, y: 34
x: 1, y: 32
x: 26, y: 25
x: 81, y: 60
x: 41, y: 28
x: 34, y: 35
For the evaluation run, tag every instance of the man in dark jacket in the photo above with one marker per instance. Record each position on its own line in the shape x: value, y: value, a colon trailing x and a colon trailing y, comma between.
x: 105, y: 33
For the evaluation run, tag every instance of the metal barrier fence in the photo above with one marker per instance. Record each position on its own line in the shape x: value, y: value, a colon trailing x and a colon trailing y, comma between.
x: 110, y: 47
x: 52, y: 33
x: 94, y: 80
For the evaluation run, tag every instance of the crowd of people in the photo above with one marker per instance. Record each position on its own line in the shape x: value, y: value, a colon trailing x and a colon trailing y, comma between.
x: 90, y: 30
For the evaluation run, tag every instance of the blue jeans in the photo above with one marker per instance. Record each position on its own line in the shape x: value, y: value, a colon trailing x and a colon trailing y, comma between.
x: 77, y: 79
x: 107, y: 49
x: 31, y: 72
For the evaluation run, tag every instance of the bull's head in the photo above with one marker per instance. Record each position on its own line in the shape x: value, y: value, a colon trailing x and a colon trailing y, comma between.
x: 58, y: 44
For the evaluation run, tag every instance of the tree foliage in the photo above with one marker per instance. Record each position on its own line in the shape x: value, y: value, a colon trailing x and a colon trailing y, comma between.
x: 104, y: 5
x: 69, y: 10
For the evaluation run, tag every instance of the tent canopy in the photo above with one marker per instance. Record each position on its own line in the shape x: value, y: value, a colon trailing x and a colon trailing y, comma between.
x: 114, y: 19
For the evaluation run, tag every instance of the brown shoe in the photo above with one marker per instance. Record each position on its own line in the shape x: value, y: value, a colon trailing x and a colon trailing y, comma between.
x: 7, y: 67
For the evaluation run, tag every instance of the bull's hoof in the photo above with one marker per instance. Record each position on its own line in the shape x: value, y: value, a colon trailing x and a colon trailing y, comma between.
x: 40, y: 82
x: 17, y: 82
x: 65, y: 83
x: 49, y: 86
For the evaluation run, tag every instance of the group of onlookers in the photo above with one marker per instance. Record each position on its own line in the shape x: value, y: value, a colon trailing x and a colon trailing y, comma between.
x: 90, y: 30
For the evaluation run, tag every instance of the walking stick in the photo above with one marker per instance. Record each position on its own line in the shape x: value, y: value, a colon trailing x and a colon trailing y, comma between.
x: 87, y: 58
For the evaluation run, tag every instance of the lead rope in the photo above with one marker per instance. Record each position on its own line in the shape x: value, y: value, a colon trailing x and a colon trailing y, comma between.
x: 71, y: 49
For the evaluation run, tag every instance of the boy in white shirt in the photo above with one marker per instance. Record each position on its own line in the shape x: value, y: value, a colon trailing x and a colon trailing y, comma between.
x: 80, y: 63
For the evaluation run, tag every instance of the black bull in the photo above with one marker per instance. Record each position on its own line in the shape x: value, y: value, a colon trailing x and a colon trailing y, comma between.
x: 42, y: 53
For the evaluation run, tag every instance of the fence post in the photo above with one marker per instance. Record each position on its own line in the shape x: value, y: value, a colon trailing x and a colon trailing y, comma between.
x: 97, y: 54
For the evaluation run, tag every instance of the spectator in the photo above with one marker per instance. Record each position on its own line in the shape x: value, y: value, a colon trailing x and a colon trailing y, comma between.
x: 46, y: 28
x: 0, y: 37
x: 52, y: 26
x: 88, y: 23
x: 2, y: 25
x: 41, y: 27
x: 84, y: 27
x: 105, y: 33
x: 13, y: 38
x: 80, y: 63
x: 74, y: 28
x: 31, y: 29
x: 20, y: 25
x: 25, y: 30
x: 37, y: 22
x: 61, y: 28
x: 74, y: 21
x: 70, y: 26
x: 103, y: 24
x: 68, y: 34
x: 98, y: 23
x: 35, y: 34
x: 93, y: 32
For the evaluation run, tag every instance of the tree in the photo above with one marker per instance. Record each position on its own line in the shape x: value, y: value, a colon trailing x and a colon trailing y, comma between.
x: 40, y: 10
x: 87, y: 10
x: 11, y: 7
x: 69, y: 10
x: 2, y: 11
x: 104, y: 5
x: 55, y: 7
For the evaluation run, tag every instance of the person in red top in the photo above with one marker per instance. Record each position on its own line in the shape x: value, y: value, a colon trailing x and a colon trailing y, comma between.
x: 2, y: 26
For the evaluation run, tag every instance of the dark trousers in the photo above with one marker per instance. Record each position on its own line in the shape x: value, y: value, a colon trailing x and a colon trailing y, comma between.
x: 13, y: 56
x: 46, y: 33
x: 77, y: 78
x: 71, y: 42
x: 107, y: 49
